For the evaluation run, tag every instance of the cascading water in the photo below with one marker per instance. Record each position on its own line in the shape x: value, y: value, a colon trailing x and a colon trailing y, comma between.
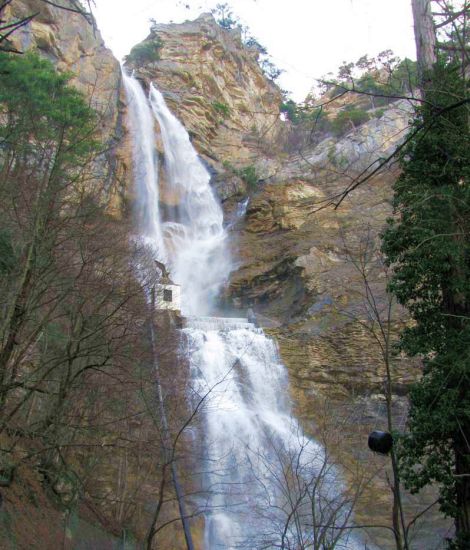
x: 193, y: 231
x: 145, y: 166
x: 262, y: 473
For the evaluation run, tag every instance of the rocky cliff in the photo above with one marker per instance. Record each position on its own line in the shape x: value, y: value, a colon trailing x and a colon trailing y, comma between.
x: 303, y: 260
x: 214, y: 85
x: 74, y: 45
x: 295, y: 253
x: 301, y: 264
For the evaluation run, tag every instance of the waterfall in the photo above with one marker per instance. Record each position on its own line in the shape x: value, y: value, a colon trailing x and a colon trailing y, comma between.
x: 248, y: 422
x: 145, y: 166
x: 193, y: 232
x: 261, y: 474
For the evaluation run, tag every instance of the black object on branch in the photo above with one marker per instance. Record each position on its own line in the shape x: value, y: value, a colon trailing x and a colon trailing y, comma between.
x: 380, y: 442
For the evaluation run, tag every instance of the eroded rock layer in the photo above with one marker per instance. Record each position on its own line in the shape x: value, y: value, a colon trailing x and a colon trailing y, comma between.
x: 302, y: 265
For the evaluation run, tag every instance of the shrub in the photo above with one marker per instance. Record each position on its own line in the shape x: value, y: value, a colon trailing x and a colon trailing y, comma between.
x: 289, y: 108
x: 222, y: 108
x: 145, y: 52
x: 348, y: 120
x: 224, y: 16
x: 248, y: 174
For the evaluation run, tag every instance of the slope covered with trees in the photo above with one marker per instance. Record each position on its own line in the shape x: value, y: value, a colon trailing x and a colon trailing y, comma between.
x: 428, y: 246
x: 77, y: 396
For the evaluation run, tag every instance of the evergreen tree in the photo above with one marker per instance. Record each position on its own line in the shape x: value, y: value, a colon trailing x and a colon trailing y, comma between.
x: 428, y: 245
x: 224, y: 16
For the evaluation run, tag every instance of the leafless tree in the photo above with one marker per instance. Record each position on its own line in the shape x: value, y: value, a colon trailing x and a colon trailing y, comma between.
x: 377, y: 312
x: 303, y: 499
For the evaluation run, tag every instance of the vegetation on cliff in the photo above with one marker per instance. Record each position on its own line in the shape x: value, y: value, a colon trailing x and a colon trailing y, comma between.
x: 227, y: 20
x: 360, y: 91
x: 76, y: 393
x: 147, y: 51
x: 429, y: 248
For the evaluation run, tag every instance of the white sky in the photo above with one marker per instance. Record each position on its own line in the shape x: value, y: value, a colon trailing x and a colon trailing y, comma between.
x: 306, y: 38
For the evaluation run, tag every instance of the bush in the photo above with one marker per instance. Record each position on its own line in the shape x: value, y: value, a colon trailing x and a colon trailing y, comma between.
x: 145, y: 52
x: 224, y: 16
x: 290, y: 109
x: 348, y: 120
x: 222, y: 108
x: 248, y: 174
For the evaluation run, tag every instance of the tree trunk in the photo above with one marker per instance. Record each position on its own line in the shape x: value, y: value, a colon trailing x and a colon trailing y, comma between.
x: 425, y: 35
x: 462, y: 473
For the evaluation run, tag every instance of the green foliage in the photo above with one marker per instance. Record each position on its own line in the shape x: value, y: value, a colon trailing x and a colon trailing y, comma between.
x: 224, y: 16
x: 290, y: 108
x: 270, y: 69
x: 146, y: 52
x: 302, y: 113
x: 7, y: 252
x: 348, y: 119
x: 251, y: 42
x: 222, y: 108
x: 38, y: 104
x: 400, y: 80
x: 248, y: 174
x: 429, y: 247
x: 380, y: 78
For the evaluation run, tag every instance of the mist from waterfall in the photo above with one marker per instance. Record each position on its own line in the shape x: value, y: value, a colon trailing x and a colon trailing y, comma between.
x: 145, y: 165
x: 199, y: 257
x: 249, y: 435
x: 251, y: 439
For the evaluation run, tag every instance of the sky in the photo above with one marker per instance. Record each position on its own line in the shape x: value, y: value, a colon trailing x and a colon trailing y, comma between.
x: 305, y: 38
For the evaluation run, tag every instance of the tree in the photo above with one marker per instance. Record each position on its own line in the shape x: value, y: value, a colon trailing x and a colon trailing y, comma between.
x: 305, y: 504
x: 224, y: 16
x: 270, y: 69
x: 77, y: 392
x: 64, y: 321
x: 425, y: 36
x: 377, y: 316
x: 428, y: 246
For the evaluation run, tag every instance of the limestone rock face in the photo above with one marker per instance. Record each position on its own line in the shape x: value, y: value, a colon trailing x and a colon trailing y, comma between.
x: 215, y: 86
x: 295, y: 254
x: 302, y: 261
x: 74, y: 46
x: 355, y: 151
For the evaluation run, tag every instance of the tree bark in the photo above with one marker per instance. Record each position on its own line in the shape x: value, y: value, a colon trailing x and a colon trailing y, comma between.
x: 425, y: 35
x: 462, y: 485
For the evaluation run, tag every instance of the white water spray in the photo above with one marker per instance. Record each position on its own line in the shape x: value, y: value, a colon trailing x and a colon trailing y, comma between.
x: 145, y: 159
x: 193, y: 232
x: 250, y: 436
